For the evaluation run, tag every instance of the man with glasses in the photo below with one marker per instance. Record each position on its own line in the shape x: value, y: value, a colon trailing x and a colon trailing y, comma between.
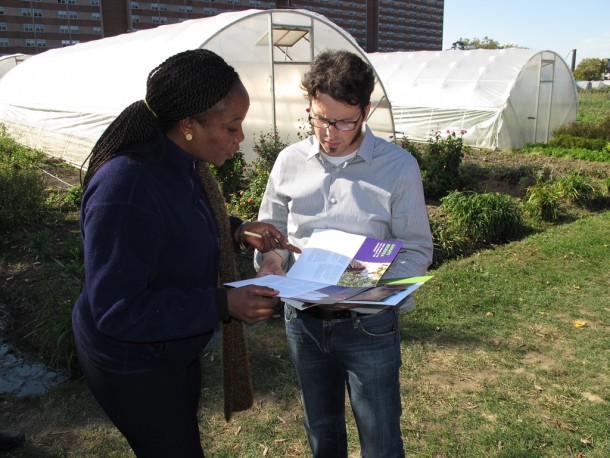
x: 344, y: 177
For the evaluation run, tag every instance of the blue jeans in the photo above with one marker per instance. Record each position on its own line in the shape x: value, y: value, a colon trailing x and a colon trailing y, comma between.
x: 362, y: 353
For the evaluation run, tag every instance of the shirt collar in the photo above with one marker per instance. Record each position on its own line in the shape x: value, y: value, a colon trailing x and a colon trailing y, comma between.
x: 365, y: 151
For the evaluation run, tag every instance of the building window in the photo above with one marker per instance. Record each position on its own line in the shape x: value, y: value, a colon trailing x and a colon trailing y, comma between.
x: 95, y: 2
x: 4, y: 43
x: 97, y: 30
x: 26, y: 12
x: 41, y: 43
x: 135, y: 6
x: 135, y: 18
x: 26, y: 27
x: 73, y: 14
x: 30, y: 43
x: 37, y: 13
x: 61, y: 1
x: 3, y: 26
x: 63, y: 29
x: 159, y: 20
x: 185, y: 9
x: 74, y: 29
x: 61, y: 14
x: 39, y: 27
x: 96, y: 16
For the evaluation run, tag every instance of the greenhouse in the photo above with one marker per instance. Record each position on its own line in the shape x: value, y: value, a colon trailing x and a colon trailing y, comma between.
x: 9, y: 61
x: 497, y: 98
x: 60, y: 101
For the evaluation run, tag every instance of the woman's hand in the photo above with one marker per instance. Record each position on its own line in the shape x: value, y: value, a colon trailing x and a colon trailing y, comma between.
x: 265, y: 237
x: 252, y: 303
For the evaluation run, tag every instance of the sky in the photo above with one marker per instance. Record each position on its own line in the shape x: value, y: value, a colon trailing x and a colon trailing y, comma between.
x: 554, y: 25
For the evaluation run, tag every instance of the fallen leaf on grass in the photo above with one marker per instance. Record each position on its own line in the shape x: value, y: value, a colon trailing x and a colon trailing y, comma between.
x: 538, y: 388
x: 579, y: 323
x: 238, y: 430
x: 265, y: 449
x: 559, y: 425
x: 586, y: 441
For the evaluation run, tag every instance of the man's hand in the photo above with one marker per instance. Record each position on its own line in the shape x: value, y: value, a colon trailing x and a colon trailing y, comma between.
x: 271, y: 265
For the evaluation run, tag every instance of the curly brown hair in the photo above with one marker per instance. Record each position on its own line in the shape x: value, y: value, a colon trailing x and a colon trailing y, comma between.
x: 342, y: 75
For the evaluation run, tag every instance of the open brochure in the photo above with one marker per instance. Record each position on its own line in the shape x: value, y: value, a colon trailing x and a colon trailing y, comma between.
x: 336, y: 266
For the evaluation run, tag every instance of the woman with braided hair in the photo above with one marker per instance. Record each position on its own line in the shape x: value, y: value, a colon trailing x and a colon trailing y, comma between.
x: 157, y: 244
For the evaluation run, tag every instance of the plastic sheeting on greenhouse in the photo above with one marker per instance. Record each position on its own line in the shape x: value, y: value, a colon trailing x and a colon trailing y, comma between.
x: 588, y: 85
x: 501, y: 98
x: 60, y: 101
x: 9, y: 61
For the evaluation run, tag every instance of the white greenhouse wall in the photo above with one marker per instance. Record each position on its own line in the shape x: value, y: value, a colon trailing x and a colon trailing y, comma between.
x: 500, y: 99
x: 60, y: 101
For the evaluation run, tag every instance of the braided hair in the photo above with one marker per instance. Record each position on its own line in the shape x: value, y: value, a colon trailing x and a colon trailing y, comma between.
x: 186, y: 84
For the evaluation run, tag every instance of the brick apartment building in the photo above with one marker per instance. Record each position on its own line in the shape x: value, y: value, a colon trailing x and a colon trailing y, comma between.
x: 33, y: 26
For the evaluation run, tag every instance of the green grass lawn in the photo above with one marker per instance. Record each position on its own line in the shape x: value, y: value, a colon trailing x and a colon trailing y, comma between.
x: 593, y: 106
x: 507, y: 355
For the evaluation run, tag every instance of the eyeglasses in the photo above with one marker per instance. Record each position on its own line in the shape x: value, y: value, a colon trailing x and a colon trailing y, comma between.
x: 343, y: 126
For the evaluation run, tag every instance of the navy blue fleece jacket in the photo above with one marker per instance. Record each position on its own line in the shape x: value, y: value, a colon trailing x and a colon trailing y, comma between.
x: 151, y: 264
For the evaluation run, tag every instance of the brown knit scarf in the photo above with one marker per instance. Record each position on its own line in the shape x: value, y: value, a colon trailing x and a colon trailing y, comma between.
x: 237, y: 384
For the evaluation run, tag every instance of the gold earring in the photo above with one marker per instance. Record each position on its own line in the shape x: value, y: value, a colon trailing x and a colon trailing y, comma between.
x: 188, y: 137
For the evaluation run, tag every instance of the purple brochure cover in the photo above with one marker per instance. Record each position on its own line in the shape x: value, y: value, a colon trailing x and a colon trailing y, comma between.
x: 370, y: 263
x: 382, y: 251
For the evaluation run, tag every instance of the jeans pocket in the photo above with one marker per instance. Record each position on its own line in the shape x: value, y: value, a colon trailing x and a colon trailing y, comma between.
x: 382, y: 324
x: 290, y: 313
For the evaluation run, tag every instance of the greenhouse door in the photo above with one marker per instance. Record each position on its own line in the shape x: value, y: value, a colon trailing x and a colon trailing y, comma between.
x: 545, y: 97
x: 291, y: 44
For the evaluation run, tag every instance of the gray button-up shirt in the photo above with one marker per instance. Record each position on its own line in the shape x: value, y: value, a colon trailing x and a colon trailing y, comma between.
x: 378, y: 193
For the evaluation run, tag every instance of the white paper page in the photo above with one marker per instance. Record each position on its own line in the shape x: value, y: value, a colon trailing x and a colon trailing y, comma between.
x: 298, y: 304
x: 287, y: 287
x: 326, y: 256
